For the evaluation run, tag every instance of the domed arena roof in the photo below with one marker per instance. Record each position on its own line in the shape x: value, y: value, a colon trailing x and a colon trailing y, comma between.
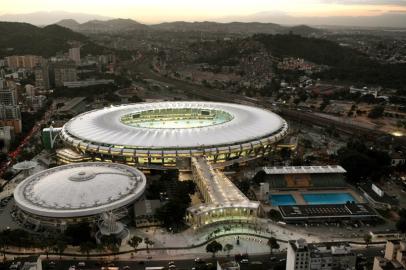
x: 172, y: 125
x: 81, y: 189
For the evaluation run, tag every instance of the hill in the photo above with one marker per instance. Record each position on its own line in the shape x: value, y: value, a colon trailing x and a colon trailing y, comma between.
x: 235, y: 27
x: 70, y: 24
x: 128, y: 25
x: 345, y: 63
x: 23, y: 38
x: 109, y: 26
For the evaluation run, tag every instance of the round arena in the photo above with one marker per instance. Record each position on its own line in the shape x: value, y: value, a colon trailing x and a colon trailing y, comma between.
x: 77, y: 193
x: 167, y: 134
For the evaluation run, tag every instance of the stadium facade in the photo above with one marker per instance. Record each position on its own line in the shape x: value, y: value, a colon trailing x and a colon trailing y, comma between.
x: 168, y: 134
x: 76, y: 193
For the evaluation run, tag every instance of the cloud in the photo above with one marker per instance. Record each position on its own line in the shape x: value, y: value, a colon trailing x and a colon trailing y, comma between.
x: 367, y: 2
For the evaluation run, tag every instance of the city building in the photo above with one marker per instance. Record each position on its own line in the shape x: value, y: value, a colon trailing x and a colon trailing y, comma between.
x: 6, y: 138
x: 74, y: 55
x: 223, y: 201
x: 304, y: 177
x: 64, y: 71
x: 42, y: 79
x: 8, y: 96
x: 73, y: 107
x: 74, y: 193
x: 323, y: 256
x: 86, y: 83
x: 30, y: 90
x: 168, y: 134
x: 11, y: 116
x: 394, y: 257
x: 23, y: 61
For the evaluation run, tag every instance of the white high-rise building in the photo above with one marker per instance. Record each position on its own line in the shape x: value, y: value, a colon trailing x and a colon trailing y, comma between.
x: 321, y: 256
x: 8, y: 96
x: 74, y: 54
x: 298, y: 255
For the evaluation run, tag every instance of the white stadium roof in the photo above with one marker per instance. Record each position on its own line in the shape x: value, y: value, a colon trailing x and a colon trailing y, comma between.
x: 104, y: 127
x: 81, y: 189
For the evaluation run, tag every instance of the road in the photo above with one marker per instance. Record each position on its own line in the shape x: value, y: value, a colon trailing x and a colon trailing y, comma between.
x: 24, y: 142
x: 255, y: 261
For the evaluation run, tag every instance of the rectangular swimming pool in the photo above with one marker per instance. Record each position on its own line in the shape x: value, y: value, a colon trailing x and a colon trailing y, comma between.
x: 327, y: 198
x: 281, y: 199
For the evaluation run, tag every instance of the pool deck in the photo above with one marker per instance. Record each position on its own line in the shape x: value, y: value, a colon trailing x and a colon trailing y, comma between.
x: 297, y: 194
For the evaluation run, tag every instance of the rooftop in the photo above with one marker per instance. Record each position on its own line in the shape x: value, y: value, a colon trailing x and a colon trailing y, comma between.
x: 304, y: 169
x: 326, y: 210
x: 80, y: 189
x: 72, y: 104
x: 174, y: 125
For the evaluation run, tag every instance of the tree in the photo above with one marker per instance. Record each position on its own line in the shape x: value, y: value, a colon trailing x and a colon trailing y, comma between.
x: 86, y: 247
x: 148, y: 243
x: 228, y: 248
x: 401, y: 223
x: 273, y: 244
x: 376, y: 112
x: 60, y: 247
x: 214, y: 247
x: 259, y: 177
x: 134, y: 242
x: 367, y: 239
x: 78, y: 233
x: 46, y: 245
x: 275, y: 215
x: 3, y: 245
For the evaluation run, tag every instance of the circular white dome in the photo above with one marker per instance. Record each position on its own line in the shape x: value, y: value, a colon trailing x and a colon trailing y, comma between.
x: 81, y: 189
x: 173, y: 125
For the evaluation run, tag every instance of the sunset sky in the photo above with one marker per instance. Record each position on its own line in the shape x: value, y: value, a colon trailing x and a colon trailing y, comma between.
x: 151, y: 11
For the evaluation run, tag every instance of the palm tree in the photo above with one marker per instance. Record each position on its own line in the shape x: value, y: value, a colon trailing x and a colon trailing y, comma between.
x: 367, y: 239
x: 86, y: 247
x: 46, y: 245
x: 228, y: 248
x: 148, y: 242
x: 3, y: 245
x: 60, y: 247
x: 273, y: 244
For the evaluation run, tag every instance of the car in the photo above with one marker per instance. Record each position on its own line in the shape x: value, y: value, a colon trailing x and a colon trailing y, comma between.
x: 172, y: 266
x: 272, y: 259
x: 171, y: 262
x: 126, y: 267
x: 81, y: 264
x: 244, y: 261
x: 197, y: 260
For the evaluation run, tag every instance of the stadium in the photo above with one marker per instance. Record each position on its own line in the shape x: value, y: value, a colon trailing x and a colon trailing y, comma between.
x: 77, y: 193
x: 168, y: 134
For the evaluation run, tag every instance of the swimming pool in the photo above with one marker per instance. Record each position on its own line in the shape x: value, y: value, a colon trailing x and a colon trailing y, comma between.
x: 281, y: 199
x: 327, y: 198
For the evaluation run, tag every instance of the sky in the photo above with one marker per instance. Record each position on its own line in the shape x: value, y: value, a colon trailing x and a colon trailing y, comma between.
x: 152, y: 11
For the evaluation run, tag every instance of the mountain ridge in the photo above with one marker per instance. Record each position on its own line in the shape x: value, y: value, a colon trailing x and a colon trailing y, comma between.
x: 24, y: 38
x: 129, y: 25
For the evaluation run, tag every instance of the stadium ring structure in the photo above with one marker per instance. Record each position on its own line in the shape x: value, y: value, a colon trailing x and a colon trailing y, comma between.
x: 80, y: 192
x: 167, y: 134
